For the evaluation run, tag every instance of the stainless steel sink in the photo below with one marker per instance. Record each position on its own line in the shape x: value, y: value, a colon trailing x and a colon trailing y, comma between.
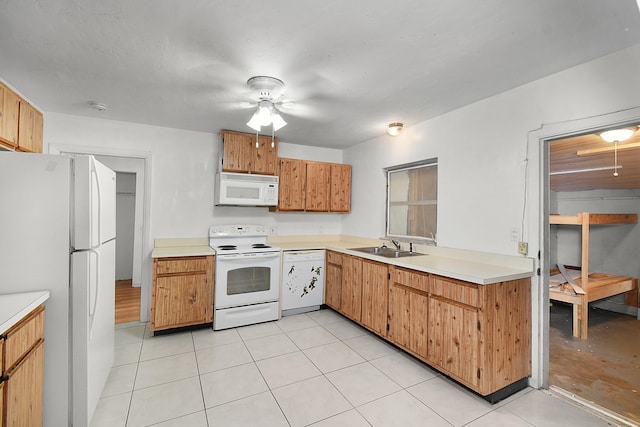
x: 385, y: 252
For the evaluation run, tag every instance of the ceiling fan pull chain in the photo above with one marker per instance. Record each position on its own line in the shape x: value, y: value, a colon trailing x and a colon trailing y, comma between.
x: 272, y: 137
x: 257, y: 145
x: 615, y: 158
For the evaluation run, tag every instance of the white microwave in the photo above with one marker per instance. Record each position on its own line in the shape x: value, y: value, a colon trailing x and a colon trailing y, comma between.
x: 243, y: 189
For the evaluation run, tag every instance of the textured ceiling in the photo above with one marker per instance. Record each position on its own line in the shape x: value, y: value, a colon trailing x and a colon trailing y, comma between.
x: 350, y: 67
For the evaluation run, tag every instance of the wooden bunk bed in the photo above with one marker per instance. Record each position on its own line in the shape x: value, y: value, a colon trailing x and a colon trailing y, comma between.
x: 595, y: 285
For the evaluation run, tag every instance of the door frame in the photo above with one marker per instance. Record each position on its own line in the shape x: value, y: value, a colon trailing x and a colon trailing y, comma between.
x: 539, y: 200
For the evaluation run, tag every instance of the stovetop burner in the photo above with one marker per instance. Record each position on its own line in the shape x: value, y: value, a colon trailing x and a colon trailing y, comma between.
x: 240, y: 239
x: 226, y: 247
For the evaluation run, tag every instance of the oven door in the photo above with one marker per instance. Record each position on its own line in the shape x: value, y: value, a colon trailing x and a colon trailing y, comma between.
x: 244, y: 279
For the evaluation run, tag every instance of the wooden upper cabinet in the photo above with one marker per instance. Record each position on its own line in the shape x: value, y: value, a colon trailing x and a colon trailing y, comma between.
x: 9, y: 116
x: 29, y: 129
x: 317, y: 198
x: 311, y: 186
x: 291, y: 187
x: 340, y: 193
x: 265, y: 157
x: 241, y: 155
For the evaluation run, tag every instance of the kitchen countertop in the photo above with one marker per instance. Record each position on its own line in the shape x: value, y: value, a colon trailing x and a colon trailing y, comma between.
x: 475, y: 267
x: 14, y: 307
x: 168, y: 248
x: 471, y: 266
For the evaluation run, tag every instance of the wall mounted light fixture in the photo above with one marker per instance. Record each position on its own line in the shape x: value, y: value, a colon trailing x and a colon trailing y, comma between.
x: 394, y: 128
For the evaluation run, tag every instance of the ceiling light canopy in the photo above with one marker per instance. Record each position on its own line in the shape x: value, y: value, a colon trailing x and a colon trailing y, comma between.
x: 394, y: 128
x: 268, y: 90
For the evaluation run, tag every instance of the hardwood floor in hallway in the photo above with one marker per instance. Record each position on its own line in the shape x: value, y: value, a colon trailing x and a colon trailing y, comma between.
x: 127, y: 302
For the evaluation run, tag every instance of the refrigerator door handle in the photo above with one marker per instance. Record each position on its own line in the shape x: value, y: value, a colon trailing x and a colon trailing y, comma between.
x: 94, y: 172
x: 94, y: 290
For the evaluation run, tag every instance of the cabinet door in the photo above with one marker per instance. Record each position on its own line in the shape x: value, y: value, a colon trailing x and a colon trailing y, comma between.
x: 340, y: 193
x: 24, y: 390
x: 1, y: 402
x: 291, y: 186
x: 333, y: 283
x: 454, y: 339
x: 408, y: 310
x: 264, y: 160
x: 9, y: 116
x: 183, y: 300
x: 237, y: 151
x: 375, y: 293
x: 351, y: 298
x: 317, y: 187
x: 29, y: 129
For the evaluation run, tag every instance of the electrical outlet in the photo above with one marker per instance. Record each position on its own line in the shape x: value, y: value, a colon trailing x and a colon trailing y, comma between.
x: 523, y: 247
x: 515, y: 234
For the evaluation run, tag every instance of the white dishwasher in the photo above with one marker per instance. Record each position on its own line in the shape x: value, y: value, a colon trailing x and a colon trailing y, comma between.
x: 302, y: 281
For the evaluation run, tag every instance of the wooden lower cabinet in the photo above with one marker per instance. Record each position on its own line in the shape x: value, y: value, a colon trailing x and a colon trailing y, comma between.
x: 375, y: 279
x: 351, y: 292
x: 479, y: 335
x: 24, y: 389
x: 333, y: 280
x: 454, y: 340
x: 182, y: 292
x: 408, y: 309
x: 21, y: 391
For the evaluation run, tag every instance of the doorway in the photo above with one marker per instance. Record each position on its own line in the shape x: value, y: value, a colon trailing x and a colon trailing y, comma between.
x: 127, y: 303
x: 601, y: 368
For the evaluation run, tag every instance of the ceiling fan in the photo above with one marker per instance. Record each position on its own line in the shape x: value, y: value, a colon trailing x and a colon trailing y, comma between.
x: 268, y: 91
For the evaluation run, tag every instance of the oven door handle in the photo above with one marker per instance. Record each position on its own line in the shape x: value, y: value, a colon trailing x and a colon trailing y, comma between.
x: 261, y: 255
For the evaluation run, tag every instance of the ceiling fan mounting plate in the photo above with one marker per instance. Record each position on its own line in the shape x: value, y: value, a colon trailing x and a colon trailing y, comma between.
x: 266, y: 88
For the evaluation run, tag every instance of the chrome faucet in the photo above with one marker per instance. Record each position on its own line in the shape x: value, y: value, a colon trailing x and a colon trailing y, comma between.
x: 396, y: 244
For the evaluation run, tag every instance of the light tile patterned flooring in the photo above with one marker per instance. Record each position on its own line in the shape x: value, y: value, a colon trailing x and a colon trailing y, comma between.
x: 310, y: 369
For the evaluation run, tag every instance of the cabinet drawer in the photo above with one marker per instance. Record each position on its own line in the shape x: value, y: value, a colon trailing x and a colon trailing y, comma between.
x: 410, y: 278
x: 456, y: 290
x: 334, y: 258
x: 181, y: 265
x: 22, y: 337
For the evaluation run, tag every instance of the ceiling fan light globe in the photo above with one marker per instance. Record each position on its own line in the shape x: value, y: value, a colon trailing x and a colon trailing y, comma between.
x: 264, y: 115
x: 254, y: 123
x: 278, y: 122
x: 617, y: 135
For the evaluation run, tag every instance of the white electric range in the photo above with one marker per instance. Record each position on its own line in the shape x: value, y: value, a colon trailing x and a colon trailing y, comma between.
x: 247, y: 276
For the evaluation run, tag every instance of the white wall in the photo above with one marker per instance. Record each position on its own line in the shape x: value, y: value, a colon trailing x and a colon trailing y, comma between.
x: 183, y: 168
x: 481, y: 151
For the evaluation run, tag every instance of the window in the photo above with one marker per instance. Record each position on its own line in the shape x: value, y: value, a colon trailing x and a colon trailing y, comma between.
x: 412, y: 200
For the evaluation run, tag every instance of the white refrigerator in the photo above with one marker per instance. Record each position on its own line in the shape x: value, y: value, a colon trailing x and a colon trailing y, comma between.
x: 57, y: 232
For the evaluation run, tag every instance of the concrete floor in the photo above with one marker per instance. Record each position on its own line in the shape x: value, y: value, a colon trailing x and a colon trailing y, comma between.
x: 605, y: 368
